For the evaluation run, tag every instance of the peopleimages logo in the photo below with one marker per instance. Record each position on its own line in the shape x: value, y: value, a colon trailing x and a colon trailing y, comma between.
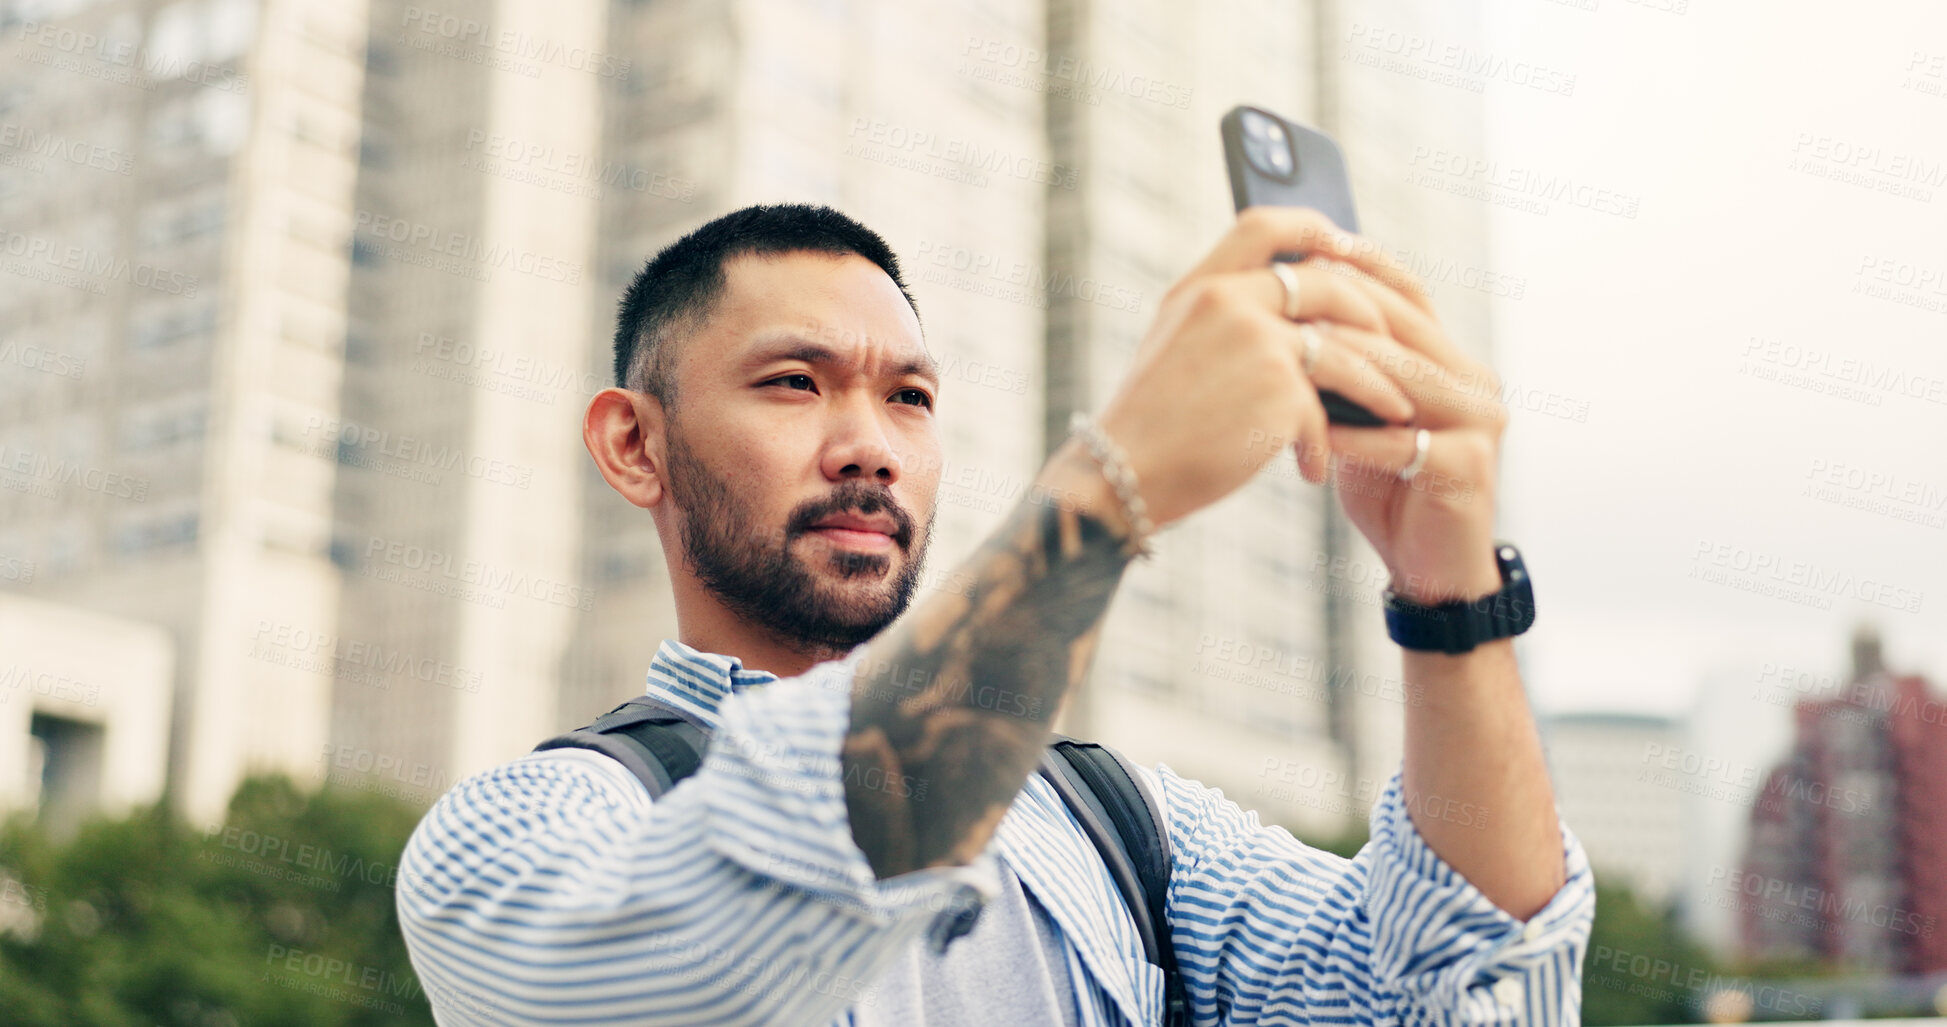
x: 327, y: 653
x: 40, y: 358
x: 514, y: 43
x: 1529, y: 189
x: 412, y: 453
x: 1447, y: 63
x: 88, y: 263
x: 73, y: 151
x: 1794, y: 580
x: 1084, y: 76
x: 115, y: 57
x: 39, y: 467
x: 1713, y: 777
x: 443, y: 573
x: 17, y: 677
x: 959, y: 159
x: 476, y: 257
x: 536, y: 156
x: 1638, y: 973
x: 1824, y: 904
x: 1015, y: 280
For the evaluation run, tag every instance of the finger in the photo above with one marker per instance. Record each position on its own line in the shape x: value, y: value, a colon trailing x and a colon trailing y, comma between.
x: 1406, y: 322
x: 1376, y: 452
x: 1312, y: 447
x: 1346, y: 371
x: 1322, y: 296
x: 1262, y: 233
x: 1456, y: 459
x: 1441, y: 398
x: 1383, y: 264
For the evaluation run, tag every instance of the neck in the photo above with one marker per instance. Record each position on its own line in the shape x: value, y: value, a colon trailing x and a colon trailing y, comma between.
x: 703, y: 624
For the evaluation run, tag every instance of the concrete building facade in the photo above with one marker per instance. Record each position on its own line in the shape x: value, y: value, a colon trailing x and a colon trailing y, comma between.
x: 84, y: 712
x: 179, y: 192
x: 1631, y: 825
x: 389, y: 239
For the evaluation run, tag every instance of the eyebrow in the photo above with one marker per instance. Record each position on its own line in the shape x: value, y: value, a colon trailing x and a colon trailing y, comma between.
x: 793, y: 347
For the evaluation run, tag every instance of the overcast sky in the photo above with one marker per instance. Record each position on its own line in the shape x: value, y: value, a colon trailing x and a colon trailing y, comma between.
x: 1768, y: 144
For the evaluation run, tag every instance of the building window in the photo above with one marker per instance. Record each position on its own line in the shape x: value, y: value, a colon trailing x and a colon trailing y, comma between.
x: 185, y: 219
x: 154, y: 533
x: 162, y: 424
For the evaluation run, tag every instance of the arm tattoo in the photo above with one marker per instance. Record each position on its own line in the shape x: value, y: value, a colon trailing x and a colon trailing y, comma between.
x: 956, y: 702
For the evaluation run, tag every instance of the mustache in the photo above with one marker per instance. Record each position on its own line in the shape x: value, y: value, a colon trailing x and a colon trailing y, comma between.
x: 855, y: 496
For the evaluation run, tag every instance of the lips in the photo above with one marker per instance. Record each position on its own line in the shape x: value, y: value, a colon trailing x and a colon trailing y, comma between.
x: 882, y: 524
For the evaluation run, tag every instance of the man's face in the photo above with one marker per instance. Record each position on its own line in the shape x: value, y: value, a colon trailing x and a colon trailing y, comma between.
x: 803, y: 454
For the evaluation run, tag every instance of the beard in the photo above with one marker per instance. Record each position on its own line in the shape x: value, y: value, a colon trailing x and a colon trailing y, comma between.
x: 753, y: 572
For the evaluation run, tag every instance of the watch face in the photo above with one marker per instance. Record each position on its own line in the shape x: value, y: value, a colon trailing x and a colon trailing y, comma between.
x: 1518, y: 588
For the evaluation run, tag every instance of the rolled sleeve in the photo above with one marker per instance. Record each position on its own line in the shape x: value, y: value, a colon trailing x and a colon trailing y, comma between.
x: 1268, y: 929
x: 1456, y: 955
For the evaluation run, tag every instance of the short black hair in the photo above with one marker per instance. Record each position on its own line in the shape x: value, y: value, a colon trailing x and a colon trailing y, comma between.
x: 686, y: 279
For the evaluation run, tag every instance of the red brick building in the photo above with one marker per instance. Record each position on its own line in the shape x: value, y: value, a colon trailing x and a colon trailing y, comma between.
x: 1848, y: 853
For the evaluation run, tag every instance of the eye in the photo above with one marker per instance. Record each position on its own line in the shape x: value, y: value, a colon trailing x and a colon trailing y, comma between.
x: 805, y: 378
x: 920, y: 398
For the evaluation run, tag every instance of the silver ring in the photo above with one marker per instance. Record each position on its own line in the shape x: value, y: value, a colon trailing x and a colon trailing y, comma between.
x: 1313, y: 342
x: 1287, y: 275
x: 1422, y: 441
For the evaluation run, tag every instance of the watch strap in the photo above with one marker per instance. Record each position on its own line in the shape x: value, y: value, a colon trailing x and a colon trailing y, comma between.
x: 1461, y: 625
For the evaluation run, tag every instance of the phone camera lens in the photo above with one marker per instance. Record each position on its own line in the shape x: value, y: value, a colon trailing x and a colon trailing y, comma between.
x: 1267, y: 146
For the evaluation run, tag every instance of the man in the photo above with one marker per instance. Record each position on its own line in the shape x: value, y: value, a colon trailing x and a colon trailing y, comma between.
x: 867, y: 779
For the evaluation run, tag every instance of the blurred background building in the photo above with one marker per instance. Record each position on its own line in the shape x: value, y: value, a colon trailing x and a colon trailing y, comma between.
x: 1631, y: 826
x: 84, y: 712
x: 304, y: 300
x: 1847, y: 861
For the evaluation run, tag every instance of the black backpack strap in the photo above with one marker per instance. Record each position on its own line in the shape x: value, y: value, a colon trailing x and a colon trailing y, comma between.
x: 657, y: 744
x: 1126, y: 824
x: 662, y: 746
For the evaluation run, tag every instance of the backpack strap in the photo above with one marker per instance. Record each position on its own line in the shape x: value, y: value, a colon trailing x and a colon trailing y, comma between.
x: 657, y: 744
x: 1126, y: 825
x: 661, y: 746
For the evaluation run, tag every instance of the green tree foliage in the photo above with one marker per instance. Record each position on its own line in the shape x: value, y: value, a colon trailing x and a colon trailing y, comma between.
x: 283, y: 916
x: 1618, y: 988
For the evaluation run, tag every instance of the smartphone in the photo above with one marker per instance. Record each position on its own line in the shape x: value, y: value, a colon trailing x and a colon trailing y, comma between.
x: 1274, y: 160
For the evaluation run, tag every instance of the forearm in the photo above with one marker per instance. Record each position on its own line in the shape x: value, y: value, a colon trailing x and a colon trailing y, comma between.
x: 961, y: 693
x: 1473, y: 741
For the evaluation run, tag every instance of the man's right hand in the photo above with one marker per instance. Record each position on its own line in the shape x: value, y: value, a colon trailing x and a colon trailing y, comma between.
x: 1218, y: 389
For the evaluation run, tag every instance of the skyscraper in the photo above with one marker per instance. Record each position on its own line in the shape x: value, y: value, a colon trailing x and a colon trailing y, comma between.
x: 175, y: 208
x: 1848, y: 852
x: 473, y: 314
x: 314, y: 297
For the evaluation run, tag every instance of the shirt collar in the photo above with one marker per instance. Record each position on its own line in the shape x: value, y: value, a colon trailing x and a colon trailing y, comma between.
x: 695, y: 682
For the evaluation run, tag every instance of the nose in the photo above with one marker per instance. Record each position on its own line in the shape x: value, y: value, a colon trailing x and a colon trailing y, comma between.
x: 859, y: 447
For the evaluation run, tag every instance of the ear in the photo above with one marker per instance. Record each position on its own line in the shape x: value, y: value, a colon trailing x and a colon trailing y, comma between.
x: 623, y: 431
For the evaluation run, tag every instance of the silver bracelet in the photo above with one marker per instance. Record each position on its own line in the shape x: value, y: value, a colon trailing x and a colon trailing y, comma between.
x: 1116, y: 469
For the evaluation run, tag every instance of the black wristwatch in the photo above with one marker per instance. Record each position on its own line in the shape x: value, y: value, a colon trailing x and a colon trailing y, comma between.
x: 1459, y: 626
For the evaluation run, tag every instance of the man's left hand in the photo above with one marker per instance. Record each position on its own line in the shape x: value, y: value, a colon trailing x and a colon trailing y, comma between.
x: 1436, y: 531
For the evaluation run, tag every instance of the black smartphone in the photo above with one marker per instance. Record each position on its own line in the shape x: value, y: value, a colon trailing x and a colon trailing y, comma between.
x: 1274, y: 160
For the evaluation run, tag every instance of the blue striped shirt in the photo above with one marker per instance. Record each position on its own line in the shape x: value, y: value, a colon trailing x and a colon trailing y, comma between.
x: 550, y: 890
